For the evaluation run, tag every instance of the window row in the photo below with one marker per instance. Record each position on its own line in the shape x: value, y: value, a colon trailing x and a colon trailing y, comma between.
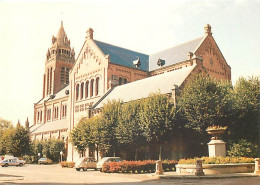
x: 87, y: 89
x: 55, y: 113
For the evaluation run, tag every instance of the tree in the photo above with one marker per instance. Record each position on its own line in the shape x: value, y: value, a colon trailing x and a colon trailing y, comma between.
x: 247, y: 109
x: 205, y: 102
x: 5, y: 129
x: 20, y: 141
x: 129, y: 131
x: 157, y: 118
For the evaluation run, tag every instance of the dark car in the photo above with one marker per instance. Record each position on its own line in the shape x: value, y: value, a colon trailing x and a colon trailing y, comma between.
x: 44, y: 160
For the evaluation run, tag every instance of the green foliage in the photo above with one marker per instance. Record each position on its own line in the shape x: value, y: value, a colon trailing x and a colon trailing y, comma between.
x: 50, y: 148
x: 242, y: 149
x: 246, y: 106
x: 205, y: 102
x: 15, y: 141
x: 157, y: 117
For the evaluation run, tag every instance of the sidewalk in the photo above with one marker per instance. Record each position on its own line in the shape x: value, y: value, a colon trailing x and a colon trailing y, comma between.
x: 4, y: 177
x: 174, y: 175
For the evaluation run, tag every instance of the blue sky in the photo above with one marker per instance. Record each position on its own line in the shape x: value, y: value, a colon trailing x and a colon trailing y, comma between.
x: 146, y: 26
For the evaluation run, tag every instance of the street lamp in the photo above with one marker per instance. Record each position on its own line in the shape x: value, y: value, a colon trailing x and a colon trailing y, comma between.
x: 61, y: 153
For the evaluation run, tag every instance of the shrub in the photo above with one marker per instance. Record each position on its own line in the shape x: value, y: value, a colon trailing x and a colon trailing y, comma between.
x: 218, y: 160
x: 147, y: 166
x: 67, y: 164
x: 242, y: 149
x: 30, y: 159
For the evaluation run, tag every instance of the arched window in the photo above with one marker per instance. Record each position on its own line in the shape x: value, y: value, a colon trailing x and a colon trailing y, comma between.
x: 125, y: 81
x: 77, y: 92
x: 81, y: 90
x: 97, y: 85
x: 86, y: 89
x: 62, y: 75
x: 120, y: 81
x: 91, y: 87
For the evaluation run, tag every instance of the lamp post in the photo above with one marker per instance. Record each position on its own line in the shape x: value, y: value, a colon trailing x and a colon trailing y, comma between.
x: 61, y: 153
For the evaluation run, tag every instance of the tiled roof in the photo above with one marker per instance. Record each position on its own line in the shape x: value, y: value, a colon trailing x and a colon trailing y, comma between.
x: 58, y: 95
x: 50, y: 126
x: 123, y: 56
x: 163, y: 83
x: 175, y: 54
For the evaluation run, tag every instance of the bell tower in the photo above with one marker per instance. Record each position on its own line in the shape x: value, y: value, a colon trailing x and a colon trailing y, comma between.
x: 60, y: 59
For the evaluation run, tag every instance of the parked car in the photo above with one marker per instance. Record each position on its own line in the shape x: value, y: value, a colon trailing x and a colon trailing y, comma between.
x: 44, y: 160
x: 86, y: 163
x: 12, y: 162
x: 106, y: 160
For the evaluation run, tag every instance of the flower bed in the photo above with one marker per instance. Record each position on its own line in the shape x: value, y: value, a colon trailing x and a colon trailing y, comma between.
x: 147, y: 166
x: 218, y: 160
x: 67, y: 164
x: 217, y: 165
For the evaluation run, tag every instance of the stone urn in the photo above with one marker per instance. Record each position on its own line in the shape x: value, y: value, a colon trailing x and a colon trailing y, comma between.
x: 217, y: 147
x: 216, y: 131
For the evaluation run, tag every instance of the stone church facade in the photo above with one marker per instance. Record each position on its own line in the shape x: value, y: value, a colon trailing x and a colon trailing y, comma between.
x: 77, y: 88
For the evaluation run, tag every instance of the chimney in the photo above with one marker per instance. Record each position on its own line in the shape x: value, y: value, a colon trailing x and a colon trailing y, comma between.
x: 207, y: 29
x: 89, y: 34
x: 190, y: 55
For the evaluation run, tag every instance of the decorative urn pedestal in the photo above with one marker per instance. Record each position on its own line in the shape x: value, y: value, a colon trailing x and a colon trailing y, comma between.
x: 217, y: 147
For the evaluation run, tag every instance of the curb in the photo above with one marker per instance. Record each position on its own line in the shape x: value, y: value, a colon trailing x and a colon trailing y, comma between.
x: 10, y: 178
x: 204, y: 177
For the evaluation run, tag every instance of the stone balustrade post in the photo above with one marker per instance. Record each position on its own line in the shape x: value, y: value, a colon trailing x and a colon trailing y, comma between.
x: 257, y: 165
x: 199, y: 168
x: 159, y: 168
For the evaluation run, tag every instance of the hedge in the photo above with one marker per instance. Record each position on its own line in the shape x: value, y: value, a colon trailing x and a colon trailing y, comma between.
x: 218, y: 160
x: 147, y: 166
x: 66, y: 164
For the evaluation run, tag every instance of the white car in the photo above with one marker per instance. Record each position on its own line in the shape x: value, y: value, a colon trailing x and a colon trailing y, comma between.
x: 106, y: 160
x: 12, y: 162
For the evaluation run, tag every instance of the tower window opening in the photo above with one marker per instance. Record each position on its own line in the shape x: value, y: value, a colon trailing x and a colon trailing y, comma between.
x: 62, y: 75
x: 67, y: 75
x: 125, y: 81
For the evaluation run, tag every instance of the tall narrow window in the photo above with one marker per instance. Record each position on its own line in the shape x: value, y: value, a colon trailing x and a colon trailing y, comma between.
x: 41, y: 116
x: 77, y: 92
x: 81, y: 90
x: 125, y: 81
x: 50, y: 80
x: 48, y: 77
x: 120, y: 81
x: 67, y: 75
x: 86, y: 89
x: 62, y: 75
x: 91, y: 87
x: 97, y: 85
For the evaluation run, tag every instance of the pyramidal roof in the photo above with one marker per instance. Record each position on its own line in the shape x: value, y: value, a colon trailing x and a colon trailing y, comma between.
x: 61, y: 36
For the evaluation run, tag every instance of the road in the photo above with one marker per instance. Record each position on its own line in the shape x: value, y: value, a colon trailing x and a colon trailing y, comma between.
x: 54, y: 174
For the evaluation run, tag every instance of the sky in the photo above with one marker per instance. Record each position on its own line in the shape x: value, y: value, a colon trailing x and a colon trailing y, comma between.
x: 27, y: 27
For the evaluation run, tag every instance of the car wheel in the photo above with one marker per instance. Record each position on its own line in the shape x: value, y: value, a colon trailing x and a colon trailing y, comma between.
x: 21, y: 164
x: 6, y: 165
x: 85, y: 169
x: 78, y: 169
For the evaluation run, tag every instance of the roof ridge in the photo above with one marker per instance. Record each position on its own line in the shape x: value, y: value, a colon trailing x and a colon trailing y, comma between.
x: 121, y: 47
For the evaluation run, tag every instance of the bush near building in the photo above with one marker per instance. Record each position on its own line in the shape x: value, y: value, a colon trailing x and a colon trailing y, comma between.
x: 147, y: 166
x: 67, y: 164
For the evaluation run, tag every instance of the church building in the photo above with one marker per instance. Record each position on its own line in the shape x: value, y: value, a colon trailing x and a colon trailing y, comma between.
x: 74, y: 88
